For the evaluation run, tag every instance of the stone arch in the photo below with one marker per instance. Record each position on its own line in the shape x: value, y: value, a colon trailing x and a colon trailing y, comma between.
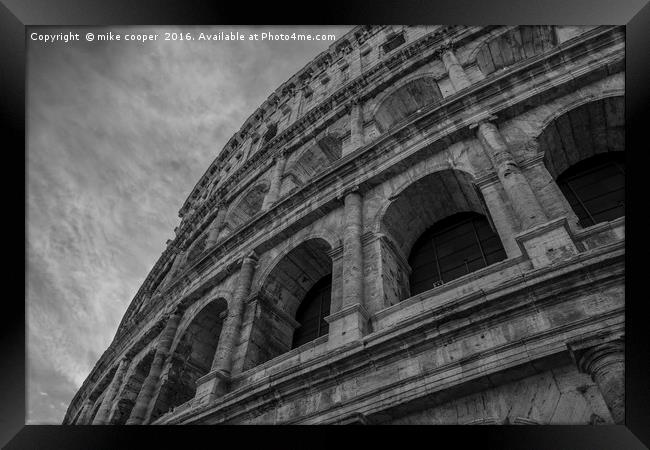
x: 584, y: 98
x: 95, y: 408
x: 76, y: 417
x: 313, y: 158
x: 193, y: 307
x: 293, y: 274
x: 329, y: 237
x: 478, y: 43
x: 412, y: 211
x: 97, y: 394
x: 374, y: 103
x: 197, y: 247
x: 513, y: 46
x: 247, y: 205
x: 191, y: 356
x: 583, y: 150
x: 410, y: 180
x: 281, y: 292
x: 405, y: 99
x: 581, y: 130
x: 126, y: 397
x: 414, y: 208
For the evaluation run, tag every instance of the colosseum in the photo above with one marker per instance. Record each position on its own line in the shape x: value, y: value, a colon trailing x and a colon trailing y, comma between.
x: 424, y: 225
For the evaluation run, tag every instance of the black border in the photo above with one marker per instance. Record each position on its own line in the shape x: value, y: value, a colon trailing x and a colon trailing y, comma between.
x: 635, y: 14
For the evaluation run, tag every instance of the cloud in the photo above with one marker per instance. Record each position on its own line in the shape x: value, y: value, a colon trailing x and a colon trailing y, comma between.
x: 118, y: 134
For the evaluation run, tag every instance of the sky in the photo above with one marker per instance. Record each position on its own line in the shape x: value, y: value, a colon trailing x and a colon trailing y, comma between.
x: 118, y: 133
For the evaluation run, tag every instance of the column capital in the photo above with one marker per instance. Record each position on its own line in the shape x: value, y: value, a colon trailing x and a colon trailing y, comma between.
x: 283, y: 153
x: 347, y: 191
x: 605, y: 364
x: 486, y: 178
x: 485, y: 120
x: 252, y: 256
x: 447, y: 44
x: 593, y: 359
x: 577, y: 347
x: 352, y: 102
x: 174, y: 310
x: 446, y: 48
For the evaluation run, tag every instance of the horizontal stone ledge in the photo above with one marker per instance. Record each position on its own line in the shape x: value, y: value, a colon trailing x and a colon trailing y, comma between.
x: 441, y: 378
x: 348, y: 310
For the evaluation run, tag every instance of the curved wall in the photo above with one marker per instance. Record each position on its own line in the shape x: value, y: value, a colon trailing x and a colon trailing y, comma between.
x: 339, y: 172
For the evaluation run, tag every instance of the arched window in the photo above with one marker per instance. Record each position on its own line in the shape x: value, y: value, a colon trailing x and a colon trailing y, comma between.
x: 312, y: 312
x: 192, y: 357
x: 297, y: 296
x: 453, y: 247
x: 407, y: 100
x: 129, y: 394
x: 595, y: 188
x: 271, y: 131
x: 515, y: 45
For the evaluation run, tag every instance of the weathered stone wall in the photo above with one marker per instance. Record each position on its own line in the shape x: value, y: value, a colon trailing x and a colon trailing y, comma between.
x: 372, y: 147
x: 560, y: 396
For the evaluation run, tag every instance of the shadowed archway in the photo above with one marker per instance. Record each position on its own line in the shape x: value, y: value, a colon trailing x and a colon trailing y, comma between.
x: 432, y: 228
x: 302, y: 274
x: 584, y: 152
x: 191, y: 358
x: 405, y: 101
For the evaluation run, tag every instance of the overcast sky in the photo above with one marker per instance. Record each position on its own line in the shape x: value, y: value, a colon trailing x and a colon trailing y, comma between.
x: 118, y: 134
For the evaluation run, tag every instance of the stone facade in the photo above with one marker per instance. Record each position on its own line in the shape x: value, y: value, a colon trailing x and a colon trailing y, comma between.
x: 338, y: 173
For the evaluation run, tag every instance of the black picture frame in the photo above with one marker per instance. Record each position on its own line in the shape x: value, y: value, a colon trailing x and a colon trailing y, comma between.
x: 17, y: 15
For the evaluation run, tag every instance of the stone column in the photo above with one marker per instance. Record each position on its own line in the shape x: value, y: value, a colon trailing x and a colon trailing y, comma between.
x: 457, y: 75
x: 560, y: 206
x: 247, y: 146
x: 276, y: 182
x: 605, y: 363
x: 215, y: 226
x: 150, y: 383
x: 544, y: 242
x: 102, y: 416
x: 297, y: 102
x: 521, y: 196
x: 85, y: 412
x: 355, y: 61
x: 352, y: 251
x: 176, y: 264
x: 356, y: 126
x: 218, y: 380
x: 503, y: 217
x: 351, y: 321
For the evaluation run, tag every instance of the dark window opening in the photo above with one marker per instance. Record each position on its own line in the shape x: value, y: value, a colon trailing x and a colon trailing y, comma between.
x: 270, y: 132
x: 453, y: 247
x: 393, y: 42
x: 595, y: 188
x: 312, y: 312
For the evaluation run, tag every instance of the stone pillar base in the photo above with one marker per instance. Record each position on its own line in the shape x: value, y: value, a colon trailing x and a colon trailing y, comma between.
x: 347, y: 325
x: 548, y: 243
x: 211, y: 386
